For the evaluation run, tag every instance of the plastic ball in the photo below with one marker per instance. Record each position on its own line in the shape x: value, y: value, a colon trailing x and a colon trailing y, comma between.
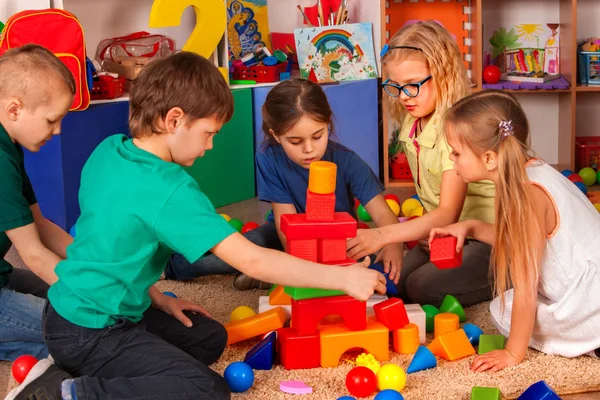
x: 389, y: 394
x: 491, y: 74
x: 392, y: 197
x: 363, y: 225
x: 226, y: 217
x: 416, y: 197
x: 403, y: 219
x: 409, y: 206
x: 241, y: 312
x: 21, y: 367
x: 72, y: 231
x: 598, y: 176
x: 588, y: 175
x: 361, y: 381
x: 346, y: 398
x: 239, y: 376
x: 567, y: 172
x: 362, y: 213
x: 597, y: 206
x: 391, y: 376
x: 268, y: 215
x: 248, y: 226
x: 356, y: 203
x: 236, y: 224
x: 395, y: 207
x: 417, y: 212
x: 582, y: 187
x: 575, y: 178
x: 170, y: 294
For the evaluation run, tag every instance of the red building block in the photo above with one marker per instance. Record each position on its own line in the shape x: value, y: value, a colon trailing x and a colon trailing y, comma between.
x: 298, y: 351
x: 319, y: 207
x: 391, y: 313
x: 443, y: 253
x: 306, y: 249
x: 296, y: 226
x: 331, y: 250
x: 307, y: 313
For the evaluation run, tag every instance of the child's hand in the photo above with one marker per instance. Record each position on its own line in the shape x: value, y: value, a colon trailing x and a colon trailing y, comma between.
x: 459, y: 230
x: 424, y: 245
x: 175, y: 307
x: 360, y: 282
x: 493, y: 361
x: 366, y: 242
x: 391, y: 256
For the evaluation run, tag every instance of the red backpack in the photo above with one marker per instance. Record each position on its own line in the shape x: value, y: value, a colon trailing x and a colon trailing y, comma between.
x: 60, y: 32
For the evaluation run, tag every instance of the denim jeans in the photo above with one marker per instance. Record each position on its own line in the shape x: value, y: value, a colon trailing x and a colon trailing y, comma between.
x: 21, y: 306
x: 178, y: 268
x: 157, y: 358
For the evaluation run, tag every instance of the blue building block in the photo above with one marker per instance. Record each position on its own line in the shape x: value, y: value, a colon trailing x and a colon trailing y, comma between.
x: 539, y: 391
x: 390, y: 287
x: 262, y: 356
x: 473, y: 332
x: 423, y: 359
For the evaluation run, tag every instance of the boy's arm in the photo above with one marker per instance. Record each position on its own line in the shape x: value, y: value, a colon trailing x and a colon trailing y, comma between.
x: 51, y: 235
x: 278, y: 210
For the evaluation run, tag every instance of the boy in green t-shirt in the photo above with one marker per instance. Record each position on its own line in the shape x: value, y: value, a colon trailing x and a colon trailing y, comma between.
x: 138, y: 205
x: 36, y: 91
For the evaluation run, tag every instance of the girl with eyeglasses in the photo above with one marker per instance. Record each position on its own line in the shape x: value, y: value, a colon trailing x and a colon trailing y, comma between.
x: 423, y: 76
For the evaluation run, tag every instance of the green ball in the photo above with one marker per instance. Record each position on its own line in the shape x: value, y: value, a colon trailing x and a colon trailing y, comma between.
x: 362, y: 213
x: 236, y: 224
x: 430, y: 313
x: 588, y: 175
x: 267, y: 215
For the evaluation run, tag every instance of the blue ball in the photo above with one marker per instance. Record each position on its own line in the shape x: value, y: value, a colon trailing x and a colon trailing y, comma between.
x: 239, y: 376
x: 567, y: 172
x: 416, y: 196
x: 170, y: 294
x: 582, y: 187
x: 346, y: 398
x: 72, y: 230
x: 389, y: 394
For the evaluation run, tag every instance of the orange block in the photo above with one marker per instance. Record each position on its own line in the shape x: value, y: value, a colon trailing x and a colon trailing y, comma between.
x: 406, y: 340
x: 322, y: 177
x: 445, y: 323
x: 452, y: 346
x: 278, y: 297
x: 255, y: 325
x: 336, y: 339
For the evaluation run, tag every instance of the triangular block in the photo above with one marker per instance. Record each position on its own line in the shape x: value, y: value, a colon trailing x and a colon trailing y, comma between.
x: 423, y: 359
x: 452, y: 346
x: 278, y: 297
x: 473, y: 333
x: 450, y: 304
x: 262, y: 356
x: 538, y: 391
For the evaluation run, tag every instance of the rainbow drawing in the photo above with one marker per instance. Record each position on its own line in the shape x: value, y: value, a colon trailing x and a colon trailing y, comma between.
x: 333, y: 37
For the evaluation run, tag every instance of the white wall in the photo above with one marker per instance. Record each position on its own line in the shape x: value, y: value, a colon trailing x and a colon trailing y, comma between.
x: 9, y: 7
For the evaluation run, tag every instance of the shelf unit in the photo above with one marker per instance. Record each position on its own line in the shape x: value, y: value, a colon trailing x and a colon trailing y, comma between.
x: 495, y: 12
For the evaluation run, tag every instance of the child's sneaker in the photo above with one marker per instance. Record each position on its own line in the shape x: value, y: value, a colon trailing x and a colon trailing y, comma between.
x: 42, y: 383
x: 244, y: 282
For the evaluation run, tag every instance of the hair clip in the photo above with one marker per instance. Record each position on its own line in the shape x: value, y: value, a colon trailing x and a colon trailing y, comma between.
x: 506, y: 129
x: 386, y: 48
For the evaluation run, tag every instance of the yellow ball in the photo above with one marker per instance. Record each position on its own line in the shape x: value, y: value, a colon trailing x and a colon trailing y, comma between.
x: 227, y: 217
x: 241, y: 312
x: 394, y: 206
x: 417, y: 212
x: 409, y: 205
x: 597, y: 206
x: 391, y: 376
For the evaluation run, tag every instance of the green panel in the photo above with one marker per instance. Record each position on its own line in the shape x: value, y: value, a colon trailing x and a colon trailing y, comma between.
x: 310, y: 293
x: 485, y: 393
x: 489, y: 343
x: 226, y: 173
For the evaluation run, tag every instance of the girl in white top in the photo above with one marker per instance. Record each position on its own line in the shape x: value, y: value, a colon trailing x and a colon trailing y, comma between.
x: 546, y: 239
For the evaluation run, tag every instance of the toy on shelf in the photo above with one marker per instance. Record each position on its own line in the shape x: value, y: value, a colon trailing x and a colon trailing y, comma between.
x: 589, y: 62
x: 491, y: 74
x: 107, y: 86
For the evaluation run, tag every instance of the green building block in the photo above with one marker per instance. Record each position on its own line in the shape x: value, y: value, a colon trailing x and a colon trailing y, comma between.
x: 310, y: 293
x: 485, y: 393
x: 430, y: 313
x: 450, y: 304
x: 489, y: 343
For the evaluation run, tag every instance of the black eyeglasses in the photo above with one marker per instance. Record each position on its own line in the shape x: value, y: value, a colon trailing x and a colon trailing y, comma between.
x: 410, y: 89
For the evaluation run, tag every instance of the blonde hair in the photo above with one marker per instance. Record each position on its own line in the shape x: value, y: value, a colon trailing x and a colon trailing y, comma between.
x: 475, y: 123
x: 442, y: 56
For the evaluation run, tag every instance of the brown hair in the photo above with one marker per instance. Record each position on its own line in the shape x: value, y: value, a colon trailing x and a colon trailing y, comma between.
x: 27, y: 72
x: 288, y: 102
x: 475, y: 123
x: 184, y: 80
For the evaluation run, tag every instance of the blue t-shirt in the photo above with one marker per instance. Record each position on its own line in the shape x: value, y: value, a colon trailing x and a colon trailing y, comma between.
x: 280, y: 180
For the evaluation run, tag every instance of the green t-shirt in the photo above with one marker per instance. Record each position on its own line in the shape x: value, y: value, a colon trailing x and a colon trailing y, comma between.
x: 16, y: 195
x: 136, y: 209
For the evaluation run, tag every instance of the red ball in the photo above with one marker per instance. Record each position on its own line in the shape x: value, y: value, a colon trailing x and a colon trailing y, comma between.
x: 21, y: 367
x: 356, y: 203
x: 491, y: 74
x: 392, y: 197
x: 413, y: 243
x: 248, y: 226
x: 575, y: 178
x: 362, y: 225
x: 361, y: 382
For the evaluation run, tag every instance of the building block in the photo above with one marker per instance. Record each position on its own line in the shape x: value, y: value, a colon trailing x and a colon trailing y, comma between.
x: 539, y: 391
x: 473, y: 333
x: 423, y: 359
x: 390, y: 286
x: 264, y: 305
x: 255, y: 325
x: 310, y: 293
x: 298, y: 227
x: 452, y: 346
x: 430, y: 312
x: 262, y: 356
x: 445, y: 323
x: 322, y: 177
x: 376, y: 298
x: 320, y: 207
x: 278, y: 297
x: 298, y: 352
x: 307, y: 313
x: 406, y: 339
x: 450, y: 304
x: 489, y: 343
x: 302, y: 248
x: 391, y: 313
x: 485, y: 393
x: 331, y: 250
x: 443, y: 253
x: 417, y: 316
x: 336, y: 339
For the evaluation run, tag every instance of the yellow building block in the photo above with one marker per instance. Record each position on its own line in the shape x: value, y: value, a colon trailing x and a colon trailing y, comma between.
x: 445, y: 323
x: 322, y: 177
x: 452, y: 346
x: 336, y: 339
x: 256, y: 325
x: 406, y: 340
x: 278, y: 297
